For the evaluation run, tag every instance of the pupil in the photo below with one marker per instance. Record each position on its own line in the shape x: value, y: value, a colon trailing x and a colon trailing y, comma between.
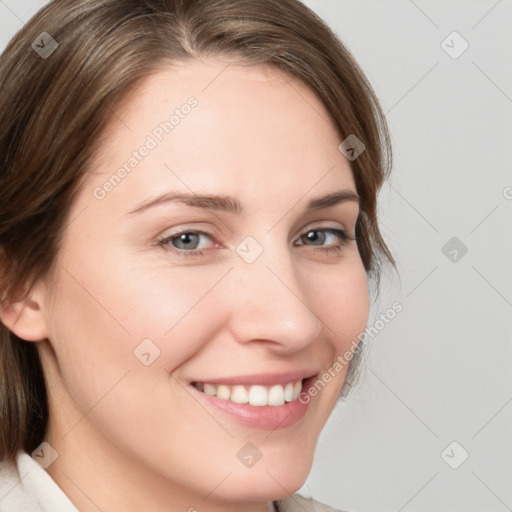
x: 312, y: 236
x: 185, y: 238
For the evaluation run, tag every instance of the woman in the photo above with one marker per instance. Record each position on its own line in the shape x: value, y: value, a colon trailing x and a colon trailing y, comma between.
x: 188, y: 229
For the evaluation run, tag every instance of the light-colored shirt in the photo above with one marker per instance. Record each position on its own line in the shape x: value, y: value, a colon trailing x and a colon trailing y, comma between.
x: 34, y: 490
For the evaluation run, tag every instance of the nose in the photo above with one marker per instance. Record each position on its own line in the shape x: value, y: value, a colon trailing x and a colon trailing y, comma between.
x: 272, y: 303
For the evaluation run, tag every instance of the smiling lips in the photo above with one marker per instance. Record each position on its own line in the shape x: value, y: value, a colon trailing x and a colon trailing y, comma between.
x: 256, y: 395
x: 267, y: 401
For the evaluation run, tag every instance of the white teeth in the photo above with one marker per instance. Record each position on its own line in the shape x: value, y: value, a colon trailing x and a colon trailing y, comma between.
x: 223, y: 392
x: 288, y: 392
x: 296, y: 389
x: 239, y: 395
x: 209, y: 389
x: 276, y: 395
x: 256, y: 395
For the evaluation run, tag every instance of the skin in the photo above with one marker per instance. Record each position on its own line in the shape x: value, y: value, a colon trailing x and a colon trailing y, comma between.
x: 131, y: 437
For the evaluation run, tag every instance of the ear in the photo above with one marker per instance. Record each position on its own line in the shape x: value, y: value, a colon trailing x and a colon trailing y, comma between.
x: 25, y: 317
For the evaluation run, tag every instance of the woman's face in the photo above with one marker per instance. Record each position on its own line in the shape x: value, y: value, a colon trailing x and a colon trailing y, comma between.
x: 149, y: 300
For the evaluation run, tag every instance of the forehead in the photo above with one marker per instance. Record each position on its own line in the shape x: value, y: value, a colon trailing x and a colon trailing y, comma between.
x: 250, y: 126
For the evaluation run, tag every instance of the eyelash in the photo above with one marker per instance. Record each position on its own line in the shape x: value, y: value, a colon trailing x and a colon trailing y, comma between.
x: 343, y: 236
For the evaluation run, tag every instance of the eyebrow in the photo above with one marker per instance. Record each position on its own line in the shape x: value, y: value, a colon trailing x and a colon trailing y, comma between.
x: 232, y: 204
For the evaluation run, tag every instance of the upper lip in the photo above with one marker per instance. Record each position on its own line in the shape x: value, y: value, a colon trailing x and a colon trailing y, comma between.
x: 263, y: 379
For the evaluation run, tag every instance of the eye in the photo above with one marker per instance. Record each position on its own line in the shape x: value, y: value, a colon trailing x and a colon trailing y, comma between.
x: 318, y: 237
x: 184, y: 243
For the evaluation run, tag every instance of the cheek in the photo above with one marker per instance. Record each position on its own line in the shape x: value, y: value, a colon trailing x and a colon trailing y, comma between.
x: 341, y: 300
x: 106, y: 314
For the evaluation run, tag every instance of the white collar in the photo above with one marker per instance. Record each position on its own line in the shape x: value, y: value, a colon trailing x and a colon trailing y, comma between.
x: 33, y: 487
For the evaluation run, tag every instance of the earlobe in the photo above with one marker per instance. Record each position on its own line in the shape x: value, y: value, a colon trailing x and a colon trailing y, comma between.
x: 25, y: 319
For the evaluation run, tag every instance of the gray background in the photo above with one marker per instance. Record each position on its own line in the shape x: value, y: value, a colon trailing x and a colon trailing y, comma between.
x: 439, y: 372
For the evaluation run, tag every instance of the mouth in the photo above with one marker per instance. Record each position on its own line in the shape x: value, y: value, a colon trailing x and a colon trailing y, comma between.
x: 265, y: 405
x: 255, y: 395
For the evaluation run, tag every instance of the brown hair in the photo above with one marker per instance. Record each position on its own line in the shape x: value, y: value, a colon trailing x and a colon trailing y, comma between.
x: 54, y: 108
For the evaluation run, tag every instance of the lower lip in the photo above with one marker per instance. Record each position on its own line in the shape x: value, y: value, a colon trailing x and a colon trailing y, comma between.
x: 263, y: 417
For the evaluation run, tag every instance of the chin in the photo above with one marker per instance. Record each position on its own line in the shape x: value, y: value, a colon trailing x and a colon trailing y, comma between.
x: 266, y: 482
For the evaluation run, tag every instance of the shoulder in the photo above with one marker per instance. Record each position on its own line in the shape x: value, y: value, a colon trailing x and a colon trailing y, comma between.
x: 298, y: 503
